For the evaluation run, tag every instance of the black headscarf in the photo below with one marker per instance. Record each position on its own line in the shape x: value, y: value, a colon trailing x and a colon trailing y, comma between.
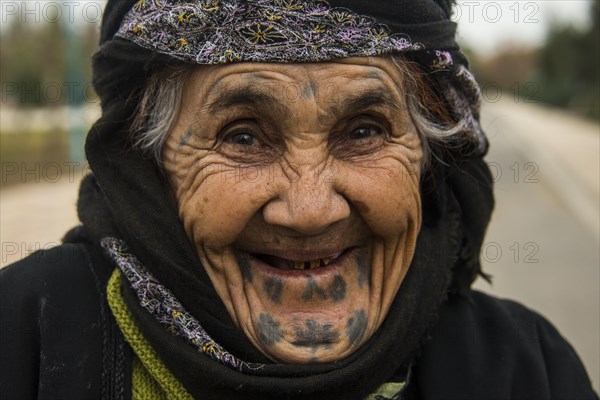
x: 126, y: 198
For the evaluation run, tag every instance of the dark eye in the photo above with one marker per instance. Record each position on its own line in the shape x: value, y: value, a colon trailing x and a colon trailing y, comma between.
x: 364, y: 132
x: 243, y: 139
x: 246, y: 141
x: 360, y: 136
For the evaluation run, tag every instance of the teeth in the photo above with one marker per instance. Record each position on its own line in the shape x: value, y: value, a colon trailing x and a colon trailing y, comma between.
x: 313, y: 264
x: 298, y: 265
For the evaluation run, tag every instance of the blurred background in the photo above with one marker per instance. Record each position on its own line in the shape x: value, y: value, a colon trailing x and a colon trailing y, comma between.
x: 537, y: 62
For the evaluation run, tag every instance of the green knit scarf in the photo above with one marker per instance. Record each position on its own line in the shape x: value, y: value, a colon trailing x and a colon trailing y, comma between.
x: 150, y: 379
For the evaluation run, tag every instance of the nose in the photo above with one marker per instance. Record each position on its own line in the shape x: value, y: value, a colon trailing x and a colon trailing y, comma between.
x: 307, y: 204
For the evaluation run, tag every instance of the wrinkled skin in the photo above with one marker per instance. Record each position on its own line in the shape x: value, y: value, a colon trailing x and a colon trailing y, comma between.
x: 277, y: 165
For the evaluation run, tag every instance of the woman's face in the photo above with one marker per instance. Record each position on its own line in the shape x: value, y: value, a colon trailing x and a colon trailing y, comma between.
x: 299, y: 186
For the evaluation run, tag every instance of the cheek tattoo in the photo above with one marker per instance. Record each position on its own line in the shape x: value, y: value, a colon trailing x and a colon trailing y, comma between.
x: 244, y: 268
x: 364, y: 272
x: 356, y: 327
x: 185, y: 139
x: 336, y: 291
x: 313, y: 290
x: 272, y: 287
x: 314, y: 335
x: 269, y: 330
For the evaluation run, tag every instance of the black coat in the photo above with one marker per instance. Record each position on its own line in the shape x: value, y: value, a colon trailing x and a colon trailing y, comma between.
x: 60, y: 341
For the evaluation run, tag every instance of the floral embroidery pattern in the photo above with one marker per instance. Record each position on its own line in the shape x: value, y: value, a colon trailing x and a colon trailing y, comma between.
x: 222, y: 31
x: 168, y: 311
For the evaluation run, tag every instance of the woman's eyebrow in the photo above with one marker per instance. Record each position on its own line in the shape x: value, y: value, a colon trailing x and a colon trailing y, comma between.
x: 248, y: 95
x: 366, y: 99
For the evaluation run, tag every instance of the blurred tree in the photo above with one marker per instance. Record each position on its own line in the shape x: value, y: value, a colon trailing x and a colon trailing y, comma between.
x: 508, y: 66
x: 33, y: 63
x: 569, y: 65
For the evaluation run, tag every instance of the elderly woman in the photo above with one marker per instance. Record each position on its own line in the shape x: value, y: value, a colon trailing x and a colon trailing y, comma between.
x: 287, y: 202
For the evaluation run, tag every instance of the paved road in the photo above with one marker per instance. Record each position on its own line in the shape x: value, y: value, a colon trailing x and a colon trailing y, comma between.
x: 542, y: 246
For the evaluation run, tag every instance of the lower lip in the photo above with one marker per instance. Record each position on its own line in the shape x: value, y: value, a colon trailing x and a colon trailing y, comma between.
x: 341, y: 262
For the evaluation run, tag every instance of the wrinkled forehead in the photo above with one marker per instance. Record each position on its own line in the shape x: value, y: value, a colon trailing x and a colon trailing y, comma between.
x: 325, y: 82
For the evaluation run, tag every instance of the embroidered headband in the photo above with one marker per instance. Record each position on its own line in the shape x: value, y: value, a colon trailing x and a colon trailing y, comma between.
x: 215, y: 32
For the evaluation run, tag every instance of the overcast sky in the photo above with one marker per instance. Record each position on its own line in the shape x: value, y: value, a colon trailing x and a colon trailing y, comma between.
x: 485, y: 25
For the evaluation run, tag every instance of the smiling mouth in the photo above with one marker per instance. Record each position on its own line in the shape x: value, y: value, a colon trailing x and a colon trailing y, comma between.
x: 297, y: 265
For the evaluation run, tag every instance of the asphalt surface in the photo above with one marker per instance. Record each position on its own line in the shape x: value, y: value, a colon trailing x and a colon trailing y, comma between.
x: 542, y: 247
